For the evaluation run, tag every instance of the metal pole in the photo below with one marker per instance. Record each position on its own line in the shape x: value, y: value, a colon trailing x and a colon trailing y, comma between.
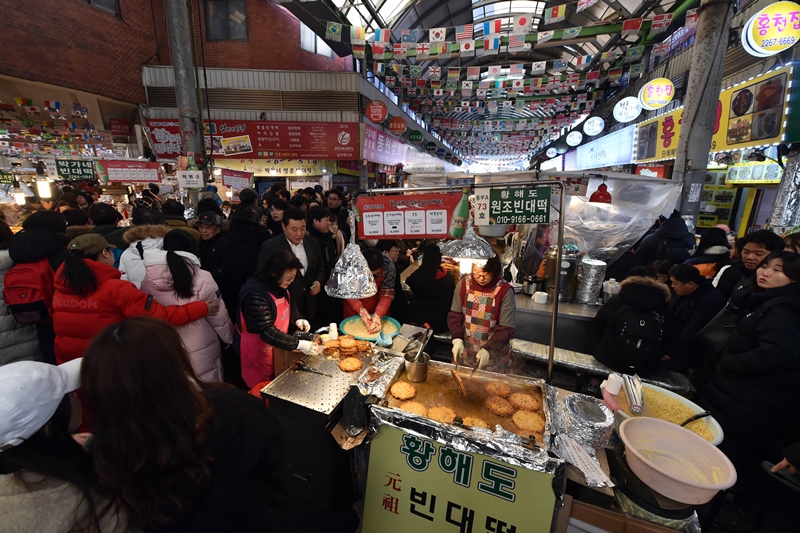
x: 561, y: 218
x: 180, y: 43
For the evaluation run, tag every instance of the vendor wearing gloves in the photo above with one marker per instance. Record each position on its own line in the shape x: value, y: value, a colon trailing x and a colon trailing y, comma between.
x: 375, y: 307
x: 481, y: 319
x: 266, y: 312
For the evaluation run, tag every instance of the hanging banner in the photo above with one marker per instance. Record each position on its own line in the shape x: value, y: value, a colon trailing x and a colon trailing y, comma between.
x: 235, y: 178
x: 127, y: 171
x: 412, y: 216
x: 613, y: 149
x: 255, y: 138
x: 416, y: 484
x: 71, y: 169
x: 380, y: 148
x: 529, y: 205
x: 750, y: 114
x: 284, y: 167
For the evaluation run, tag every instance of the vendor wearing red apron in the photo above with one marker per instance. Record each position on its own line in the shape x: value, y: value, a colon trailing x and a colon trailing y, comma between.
x: 265, y: 314
x: 373, y: 308
x: 481, y: 319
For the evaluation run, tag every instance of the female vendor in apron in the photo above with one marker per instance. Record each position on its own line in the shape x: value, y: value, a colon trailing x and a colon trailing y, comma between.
x: 265, y: 314
x: 481, y: 319
x: 373, y: 308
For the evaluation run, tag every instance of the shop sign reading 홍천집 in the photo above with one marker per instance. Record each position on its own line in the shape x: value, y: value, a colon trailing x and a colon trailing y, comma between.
x: 406, y: 216
x: 262, y: 139
x: 772, y: 30
x: 750, y: 114
x: 512, y: 206
x: 418, y: 485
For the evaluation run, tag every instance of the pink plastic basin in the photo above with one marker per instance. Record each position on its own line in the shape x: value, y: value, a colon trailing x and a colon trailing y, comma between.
x: 674, y: 461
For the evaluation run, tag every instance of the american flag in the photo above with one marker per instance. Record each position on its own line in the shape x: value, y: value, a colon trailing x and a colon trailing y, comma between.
x: 464, y: 32
x: 516, y: 70
x: 516, y: 41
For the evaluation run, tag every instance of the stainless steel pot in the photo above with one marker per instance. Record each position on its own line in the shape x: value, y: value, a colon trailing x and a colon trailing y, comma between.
x: 532, y: 284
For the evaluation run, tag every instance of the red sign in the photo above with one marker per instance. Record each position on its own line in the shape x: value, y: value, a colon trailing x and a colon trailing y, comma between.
x: 235, y: 179
x: 397, y: 126
x: 377, y: 111
x: 128, y: 171
x: 380, y: 148
x: 120, y: 127
x: 406, y: 216
x: 651, y: 171
x: 260, y: 139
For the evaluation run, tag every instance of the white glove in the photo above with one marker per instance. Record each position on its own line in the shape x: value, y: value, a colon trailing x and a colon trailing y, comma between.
x: 307, y: 347
x: 303, y: 324
x: 458, y: 346
x: 483, y: 358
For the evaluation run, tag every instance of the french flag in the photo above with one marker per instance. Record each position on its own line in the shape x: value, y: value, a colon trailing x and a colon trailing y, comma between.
x: 582, y: 61
x: 493, y: 26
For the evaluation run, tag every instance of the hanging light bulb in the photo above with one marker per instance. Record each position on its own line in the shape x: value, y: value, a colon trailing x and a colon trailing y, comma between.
x: 601, y: 195
x: 470, y: 250
x: 19, y: 196
x: 43, y: 189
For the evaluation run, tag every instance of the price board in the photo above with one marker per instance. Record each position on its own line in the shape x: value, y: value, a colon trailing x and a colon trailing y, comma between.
x: 419, y: 485
x: 73, y: 169
x: 411, y: 216
x: 529, y: 205
x: 128, y: 171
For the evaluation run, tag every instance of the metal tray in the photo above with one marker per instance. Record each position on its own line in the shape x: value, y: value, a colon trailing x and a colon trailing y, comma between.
x: 313, y: 391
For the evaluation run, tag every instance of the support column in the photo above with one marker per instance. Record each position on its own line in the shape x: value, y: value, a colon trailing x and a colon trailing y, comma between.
x: 786, y: 210
x: 700, y: 103
x: 180, y: 42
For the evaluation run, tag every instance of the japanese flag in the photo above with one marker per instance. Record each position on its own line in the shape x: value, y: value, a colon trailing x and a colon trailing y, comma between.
x: 518, y: 84
x: 522, y: 24
x: 494, y: 70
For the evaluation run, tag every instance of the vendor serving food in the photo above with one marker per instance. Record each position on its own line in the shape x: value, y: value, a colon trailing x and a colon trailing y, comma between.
x: 481, y: 319
x: 375, y: 307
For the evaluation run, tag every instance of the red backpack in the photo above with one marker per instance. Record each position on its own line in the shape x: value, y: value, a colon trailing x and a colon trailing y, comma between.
x: 28, y: 291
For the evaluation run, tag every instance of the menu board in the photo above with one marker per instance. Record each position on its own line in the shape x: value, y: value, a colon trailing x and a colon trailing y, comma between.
x: 716, y: 200
x: 262, y: 139
x: 762, y: 173
x: 128, y: 171
x: 409, y: 216
x: 235, y: 178
x: 750, y: 114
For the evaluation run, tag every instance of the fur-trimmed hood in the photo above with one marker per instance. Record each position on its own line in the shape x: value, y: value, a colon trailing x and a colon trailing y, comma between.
x: 77, y: 231
x: 644, y: 293
x: 139, y: 233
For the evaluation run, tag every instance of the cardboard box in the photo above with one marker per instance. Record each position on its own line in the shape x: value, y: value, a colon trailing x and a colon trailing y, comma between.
x: 606, y: 520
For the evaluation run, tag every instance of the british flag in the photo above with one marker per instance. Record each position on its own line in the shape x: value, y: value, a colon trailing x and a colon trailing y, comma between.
x: 435, y: 72
x: 691, y: 18
x: 660, y: 49
x: 464, y: 32
x: 661, y: 22
x: 423, y: 49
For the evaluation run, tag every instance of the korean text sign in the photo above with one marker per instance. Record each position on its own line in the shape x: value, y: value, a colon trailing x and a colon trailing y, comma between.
x: 406, y: 216
x: 383, y: 149
x: 235, y: 178
x: 71, y: 169
x: 418, y: 485
x: 262, y: 139
x: 529, y: 205
x: 128, y: 171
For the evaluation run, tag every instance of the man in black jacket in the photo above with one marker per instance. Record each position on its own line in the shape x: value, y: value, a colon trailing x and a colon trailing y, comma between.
x: 214, y: 246
x: 697, y: 303
x: 671, y: 240
x: 105, y: 219
x: 319, y: 221
x: 335, y: 200
x: 310, y: 280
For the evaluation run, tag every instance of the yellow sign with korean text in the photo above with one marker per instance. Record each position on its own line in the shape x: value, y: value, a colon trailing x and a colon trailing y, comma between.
x: 416, y: 485
x: 656, y: 93
x: 748, y: 115
x: 285, y: 168
x: 772, y: 30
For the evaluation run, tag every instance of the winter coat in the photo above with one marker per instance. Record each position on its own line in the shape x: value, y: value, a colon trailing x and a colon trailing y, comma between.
x: 246, y: 441
x: 45, y: 505
x: 432, y: 298
x: 732, y: 276
x: 17, y: 343
x: 245, y: 240
x: 673, y: 228
x: 258, y: 310
x: 113, y: 234
x: 644, y: 294
x: 140, y: 239
x: 179, y: 223
x: 199, y: 337
x: 710, y: 261
x: 753, y: 390
x: 77, y: 320
x: 689, y: 315
x: 214, y: 254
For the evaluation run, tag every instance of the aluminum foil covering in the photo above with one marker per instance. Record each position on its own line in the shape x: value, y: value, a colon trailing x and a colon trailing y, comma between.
x: 498, y: 446
x: 470, y: 246
x: 389, y: 365
x: 590, y: 280
x: 351, y: 277
x: 586, y: 419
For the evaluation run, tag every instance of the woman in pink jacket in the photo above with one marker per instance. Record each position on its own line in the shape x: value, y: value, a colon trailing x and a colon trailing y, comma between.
x: 173, y: 277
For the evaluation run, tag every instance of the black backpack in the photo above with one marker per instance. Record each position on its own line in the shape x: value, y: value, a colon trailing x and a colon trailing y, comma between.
x: 674, y: 250
x: 637, y: 340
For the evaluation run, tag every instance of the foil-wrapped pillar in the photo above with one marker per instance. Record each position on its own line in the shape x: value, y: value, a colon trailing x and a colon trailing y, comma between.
x: 590, y: 280
x: 786, y: 210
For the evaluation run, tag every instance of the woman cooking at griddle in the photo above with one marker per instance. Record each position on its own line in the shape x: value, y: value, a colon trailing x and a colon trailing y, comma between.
x: 481, y: 319
x: 373, y: 308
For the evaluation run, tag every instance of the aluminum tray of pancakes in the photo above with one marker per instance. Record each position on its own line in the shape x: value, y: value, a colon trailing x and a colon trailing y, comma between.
x: 344, y: 361
x: 515, y: 403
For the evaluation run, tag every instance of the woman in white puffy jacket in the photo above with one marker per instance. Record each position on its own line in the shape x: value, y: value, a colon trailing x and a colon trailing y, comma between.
x: 140, y: 239
x: 173, y: 277
x: 17, y: 343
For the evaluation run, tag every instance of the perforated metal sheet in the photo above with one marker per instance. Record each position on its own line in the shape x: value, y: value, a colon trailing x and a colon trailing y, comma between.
x: 315, y: 392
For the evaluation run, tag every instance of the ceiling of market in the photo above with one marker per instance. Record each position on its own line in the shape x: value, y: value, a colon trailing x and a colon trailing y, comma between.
x: 478, y: 144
